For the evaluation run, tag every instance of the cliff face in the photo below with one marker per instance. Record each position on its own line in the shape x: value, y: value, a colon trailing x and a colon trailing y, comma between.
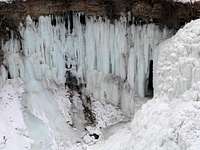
x: 170, y: 13
x: 111, y: 61
x: 161, y: 12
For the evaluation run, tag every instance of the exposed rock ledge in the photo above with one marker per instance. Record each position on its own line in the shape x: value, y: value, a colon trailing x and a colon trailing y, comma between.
x: 159, y: 11
x: 162, y: 12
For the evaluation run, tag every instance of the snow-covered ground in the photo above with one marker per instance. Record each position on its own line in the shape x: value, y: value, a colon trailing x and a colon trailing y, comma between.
x: 25, y: 124
x: 160, y: 125
x: 20, y: 127
x: 13, y: 130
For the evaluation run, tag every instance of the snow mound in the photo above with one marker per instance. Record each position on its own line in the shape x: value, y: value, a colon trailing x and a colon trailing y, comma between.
x: 178, y: 65
x: 161, y: 125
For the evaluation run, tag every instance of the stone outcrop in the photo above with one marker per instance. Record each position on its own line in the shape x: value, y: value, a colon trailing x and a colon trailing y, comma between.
x: 164, y: 12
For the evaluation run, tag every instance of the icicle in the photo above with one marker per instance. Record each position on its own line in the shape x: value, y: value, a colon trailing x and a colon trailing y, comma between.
x: 113, y: 59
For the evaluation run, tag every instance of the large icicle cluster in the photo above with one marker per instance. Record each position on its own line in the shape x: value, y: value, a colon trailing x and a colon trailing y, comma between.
x: 111, y: 58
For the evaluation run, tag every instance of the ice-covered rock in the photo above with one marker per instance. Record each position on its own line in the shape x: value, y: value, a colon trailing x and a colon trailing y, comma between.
x: 111, y: 58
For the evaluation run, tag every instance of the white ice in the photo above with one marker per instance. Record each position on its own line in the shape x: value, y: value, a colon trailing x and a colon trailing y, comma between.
x: 113, y: 59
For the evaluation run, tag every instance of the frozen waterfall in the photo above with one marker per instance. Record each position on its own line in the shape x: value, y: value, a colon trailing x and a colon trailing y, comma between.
x: 113, y: 59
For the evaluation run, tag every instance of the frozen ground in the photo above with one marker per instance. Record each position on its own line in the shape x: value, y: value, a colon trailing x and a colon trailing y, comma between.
x: 13, y: 131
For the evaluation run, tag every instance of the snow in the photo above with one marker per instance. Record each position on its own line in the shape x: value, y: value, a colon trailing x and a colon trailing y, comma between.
x: 25, y: 123
x: 177, y: 72
x: 160, y: 125
x: 13, y: 130
x: 106, y: 114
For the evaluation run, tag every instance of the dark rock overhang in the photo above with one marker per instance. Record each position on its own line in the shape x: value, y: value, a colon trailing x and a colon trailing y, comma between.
x: 162, y: 12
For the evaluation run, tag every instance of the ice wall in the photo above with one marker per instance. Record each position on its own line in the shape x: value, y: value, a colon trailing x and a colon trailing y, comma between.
x: 111, y: 58
x: 178, y: 66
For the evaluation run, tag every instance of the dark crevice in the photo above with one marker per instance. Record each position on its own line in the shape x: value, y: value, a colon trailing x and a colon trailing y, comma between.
x: 53, y: 20
x: 36, y: 20
x: 82, y: 19
x: 9, y: 75
x: 66, y: 20
x: 149, y: 82
x: 71, y: 21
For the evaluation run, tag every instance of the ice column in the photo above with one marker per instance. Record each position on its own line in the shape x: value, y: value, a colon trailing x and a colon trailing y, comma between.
x: 111, y: 58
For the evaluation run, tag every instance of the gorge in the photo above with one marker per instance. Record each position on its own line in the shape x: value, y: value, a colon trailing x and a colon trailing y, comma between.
x: 80, y: 73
